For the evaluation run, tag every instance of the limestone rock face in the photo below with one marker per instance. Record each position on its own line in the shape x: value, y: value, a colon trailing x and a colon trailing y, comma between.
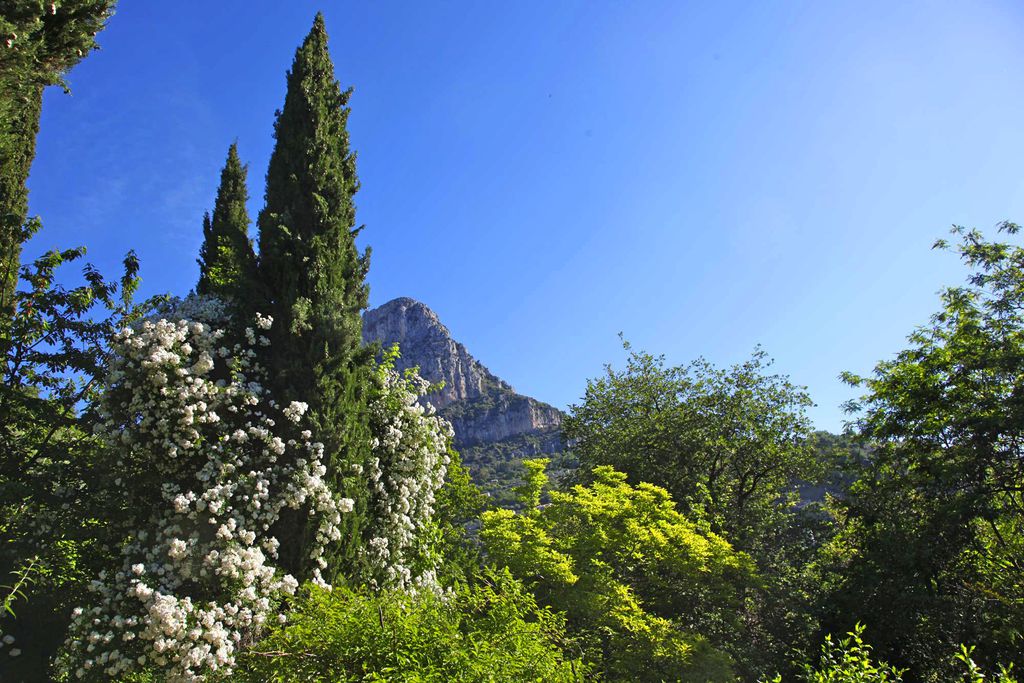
x: 488, y: 416
x: 423, y: 341
x: 500, y: 416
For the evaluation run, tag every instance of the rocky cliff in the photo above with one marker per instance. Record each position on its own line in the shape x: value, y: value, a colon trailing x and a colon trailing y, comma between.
x: 426, y: 343
x: 494, y: 426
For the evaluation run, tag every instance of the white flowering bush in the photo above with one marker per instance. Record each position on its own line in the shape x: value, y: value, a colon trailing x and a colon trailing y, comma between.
x: 407, y: 468
x: 206, y: 462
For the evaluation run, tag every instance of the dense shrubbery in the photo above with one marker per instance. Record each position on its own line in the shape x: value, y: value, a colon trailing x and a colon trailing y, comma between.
x: 490, y: 631
x: 643, y: 587
x: 205, y: 461
x: 53, y: 540
x: 410, y: 461
x: 850, y: 660
x: 191, y: 489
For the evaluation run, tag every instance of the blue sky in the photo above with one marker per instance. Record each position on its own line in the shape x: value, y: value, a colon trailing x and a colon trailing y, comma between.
x: 702, y: 177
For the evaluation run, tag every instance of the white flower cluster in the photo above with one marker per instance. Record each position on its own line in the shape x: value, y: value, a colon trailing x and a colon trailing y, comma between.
x: 407, y: 468
x: 9, y: 640
x: 190, y: 424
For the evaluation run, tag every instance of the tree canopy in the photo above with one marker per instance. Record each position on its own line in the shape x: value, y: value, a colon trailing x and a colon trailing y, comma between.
x: 730, y: 443
x: 43, y: 41
x: 227, y: 262
x: 646, y: 590
x: 232, y: 486
x: 932, y: 554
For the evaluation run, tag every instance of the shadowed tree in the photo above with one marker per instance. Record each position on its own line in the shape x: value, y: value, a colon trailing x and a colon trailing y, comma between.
x: 40, y: 42
x: 931, y: 552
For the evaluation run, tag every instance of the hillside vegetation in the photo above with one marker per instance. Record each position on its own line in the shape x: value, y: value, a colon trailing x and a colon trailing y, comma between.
x: 228, y: 484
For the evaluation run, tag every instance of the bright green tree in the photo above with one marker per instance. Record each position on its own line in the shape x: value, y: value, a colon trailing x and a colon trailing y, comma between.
x: 227, y: 263
x: 40, y: 41
x: 647, y: 592
x: 314, y: 276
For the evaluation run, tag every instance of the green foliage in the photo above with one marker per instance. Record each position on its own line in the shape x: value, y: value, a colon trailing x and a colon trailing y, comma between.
x: 847, y: 661
x: 850, y: 660
x: 729, y: 444
x: 492, y: 631
x: 227, y: 263
x: 732, y: 446
x: 313, y: 278
x: 534, y: 481
x: 643, y: 587
x: 19, y: 125
x: 51, y: 362
x: 44, y: 39
x: 49, y: 472
x: 308, y: 256
x: 40, y: 41
x: 52, y: 345
x: 459, y: 506
x: 932, y: 552
x: 974, y: 673
x: 24, y: 577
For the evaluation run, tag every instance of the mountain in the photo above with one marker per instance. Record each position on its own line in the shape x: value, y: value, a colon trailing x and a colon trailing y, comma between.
x: 495, y: 427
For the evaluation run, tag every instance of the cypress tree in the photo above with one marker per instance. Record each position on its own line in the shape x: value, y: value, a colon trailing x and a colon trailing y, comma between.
x: 20, y: 122
x: 314, y: 278
x: 44, y: 40
x: 227, y: 262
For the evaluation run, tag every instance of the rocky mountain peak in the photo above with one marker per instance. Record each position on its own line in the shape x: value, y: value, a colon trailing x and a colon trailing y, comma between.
x: 488, y: 416
x: 425, y: 342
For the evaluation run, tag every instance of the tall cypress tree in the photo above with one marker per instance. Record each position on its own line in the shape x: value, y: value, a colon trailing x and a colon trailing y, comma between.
x: 44, y: 40
x: 314, y: 279
x: 227, y: 263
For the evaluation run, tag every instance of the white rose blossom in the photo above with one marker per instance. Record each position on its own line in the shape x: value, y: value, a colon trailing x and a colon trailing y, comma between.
x: 186, y: 415
x: 198, y: 578
x: 407, y: 469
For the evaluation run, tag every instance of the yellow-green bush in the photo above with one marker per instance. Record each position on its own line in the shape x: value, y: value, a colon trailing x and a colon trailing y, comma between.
x: 491, y: 631
x: 645, y: 590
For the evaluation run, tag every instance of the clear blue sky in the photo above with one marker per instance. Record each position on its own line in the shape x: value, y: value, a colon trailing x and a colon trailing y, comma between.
x: 703, y: 177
